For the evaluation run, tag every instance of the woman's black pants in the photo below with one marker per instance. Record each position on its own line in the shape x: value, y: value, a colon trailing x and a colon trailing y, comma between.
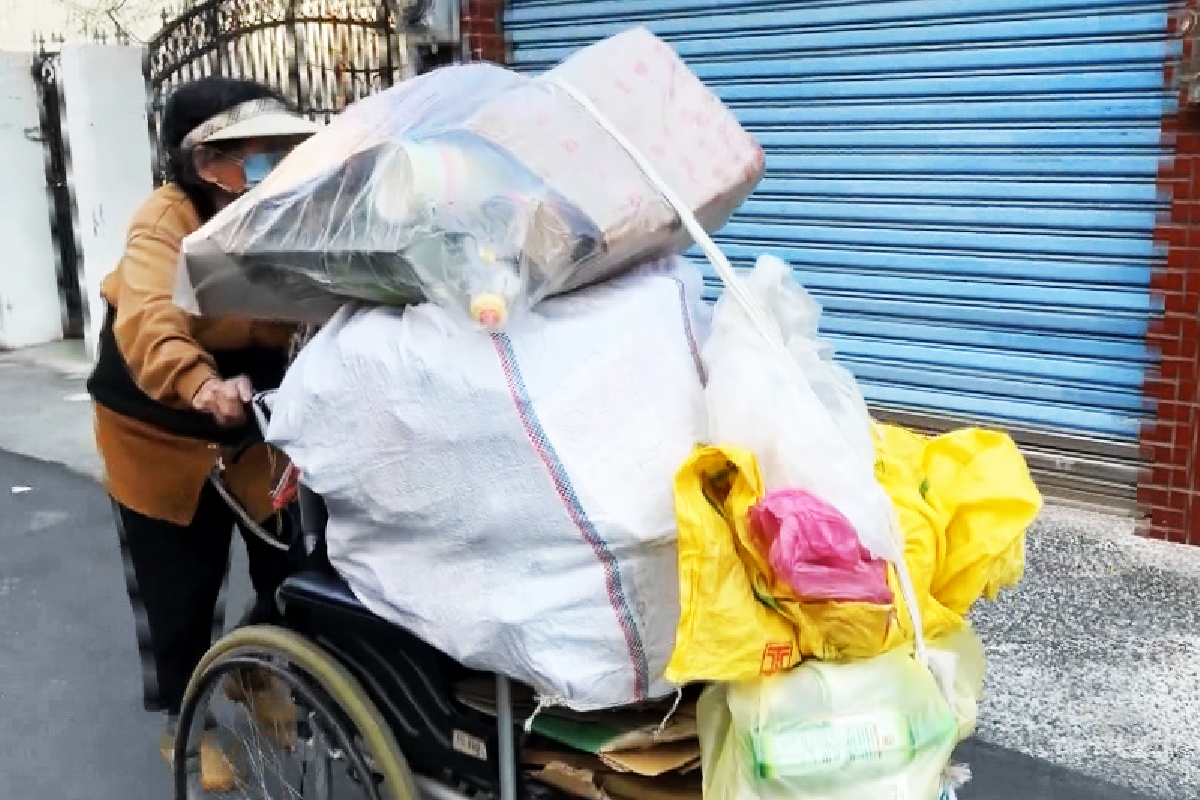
x: 174, y: 576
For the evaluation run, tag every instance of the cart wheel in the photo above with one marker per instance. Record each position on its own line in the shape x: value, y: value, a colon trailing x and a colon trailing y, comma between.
x: 269, y: 714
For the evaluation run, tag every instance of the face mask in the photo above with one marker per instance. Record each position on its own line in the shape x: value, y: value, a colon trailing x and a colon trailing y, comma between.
x: 258, y: 166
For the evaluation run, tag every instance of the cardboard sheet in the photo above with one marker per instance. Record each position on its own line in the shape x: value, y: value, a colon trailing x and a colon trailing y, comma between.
x: 600, y: 733
x: 676, y: 757
x: 599, y: 785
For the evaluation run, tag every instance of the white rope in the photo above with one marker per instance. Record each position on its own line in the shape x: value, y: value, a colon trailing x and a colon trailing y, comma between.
x: 757, y: 314
x: 662, y: 726
x: 719, y: 262
x: 542, y: 704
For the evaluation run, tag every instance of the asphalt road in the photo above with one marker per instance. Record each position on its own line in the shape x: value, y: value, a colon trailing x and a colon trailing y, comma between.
x: 73, y: 728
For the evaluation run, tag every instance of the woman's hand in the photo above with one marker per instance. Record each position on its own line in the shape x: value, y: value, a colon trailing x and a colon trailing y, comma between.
x: 225, y: 400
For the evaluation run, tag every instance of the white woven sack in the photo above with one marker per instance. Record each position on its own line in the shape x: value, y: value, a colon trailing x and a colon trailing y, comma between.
x: 509, y: 497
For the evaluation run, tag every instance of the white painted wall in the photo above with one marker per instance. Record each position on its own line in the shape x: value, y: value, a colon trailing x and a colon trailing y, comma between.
x: 106, y: 128
x: 30, y: 308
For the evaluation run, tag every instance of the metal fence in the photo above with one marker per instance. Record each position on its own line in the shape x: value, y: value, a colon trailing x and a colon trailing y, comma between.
x: 47, y: 76
x: 321, y: 54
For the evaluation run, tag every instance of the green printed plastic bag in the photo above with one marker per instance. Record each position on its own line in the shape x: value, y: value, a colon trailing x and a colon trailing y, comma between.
x: 877, y: 728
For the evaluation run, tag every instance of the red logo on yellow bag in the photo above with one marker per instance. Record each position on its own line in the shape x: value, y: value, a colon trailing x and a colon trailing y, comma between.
x: 776, y: 658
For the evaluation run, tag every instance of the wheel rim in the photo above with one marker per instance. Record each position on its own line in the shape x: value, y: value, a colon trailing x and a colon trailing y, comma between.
x: 314, y: 754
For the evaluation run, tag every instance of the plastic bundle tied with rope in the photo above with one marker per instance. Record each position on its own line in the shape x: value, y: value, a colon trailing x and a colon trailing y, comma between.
x: 481, y: 190
x: 827, y: 564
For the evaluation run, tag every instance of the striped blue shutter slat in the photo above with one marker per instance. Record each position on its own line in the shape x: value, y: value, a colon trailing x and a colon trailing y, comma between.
x: 968, y: 186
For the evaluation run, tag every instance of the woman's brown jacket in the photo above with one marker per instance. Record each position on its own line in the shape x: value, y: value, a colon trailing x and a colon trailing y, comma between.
x: 169, y: 354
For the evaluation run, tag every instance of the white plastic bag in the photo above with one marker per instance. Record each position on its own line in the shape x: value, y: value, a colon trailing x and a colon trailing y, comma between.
x: 798, y: 411
x: 878, y: 729
x: 778, y: 347
x: 508, y: 497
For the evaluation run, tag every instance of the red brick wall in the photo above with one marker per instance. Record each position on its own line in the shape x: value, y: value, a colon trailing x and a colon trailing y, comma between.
x: 1169, y: 490
x: 482, y: 30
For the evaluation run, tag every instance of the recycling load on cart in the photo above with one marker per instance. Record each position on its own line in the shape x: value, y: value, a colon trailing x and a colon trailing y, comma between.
x: 676, y: 526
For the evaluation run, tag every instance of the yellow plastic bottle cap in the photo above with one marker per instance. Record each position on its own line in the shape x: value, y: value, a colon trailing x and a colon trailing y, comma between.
x: 489, y: 310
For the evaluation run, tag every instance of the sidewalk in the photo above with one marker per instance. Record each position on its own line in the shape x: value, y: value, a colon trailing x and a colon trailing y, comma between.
x: 45, y: 407
x: 1093, y: 664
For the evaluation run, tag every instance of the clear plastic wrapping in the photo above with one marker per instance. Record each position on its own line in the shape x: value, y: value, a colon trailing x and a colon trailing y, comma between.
x: 479, y: 189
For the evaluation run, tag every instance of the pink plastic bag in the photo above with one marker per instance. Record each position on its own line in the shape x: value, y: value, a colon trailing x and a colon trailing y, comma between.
x: 815, y: 550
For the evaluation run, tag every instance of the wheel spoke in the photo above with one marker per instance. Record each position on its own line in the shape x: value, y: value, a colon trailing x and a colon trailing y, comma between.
x: 303, y: 761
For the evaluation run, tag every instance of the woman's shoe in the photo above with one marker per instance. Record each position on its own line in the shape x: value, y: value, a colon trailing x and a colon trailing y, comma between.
x: 269, y: 703
x: 217, y: 773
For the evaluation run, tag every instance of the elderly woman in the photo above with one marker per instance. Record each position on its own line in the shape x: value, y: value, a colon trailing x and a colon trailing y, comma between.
x: 170, y: 390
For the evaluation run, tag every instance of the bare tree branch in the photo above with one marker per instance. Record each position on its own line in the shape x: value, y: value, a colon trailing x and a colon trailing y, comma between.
x: 120, y: 29
x: 127, y: 18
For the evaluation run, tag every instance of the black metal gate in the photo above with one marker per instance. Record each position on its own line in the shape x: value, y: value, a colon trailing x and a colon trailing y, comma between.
x: 46, y: 75
x: 321, y: 54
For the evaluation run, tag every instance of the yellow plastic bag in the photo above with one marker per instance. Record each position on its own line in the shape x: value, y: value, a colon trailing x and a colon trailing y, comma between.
x: 726, y: 632
x: 737, y: 622
x: 963, y: 500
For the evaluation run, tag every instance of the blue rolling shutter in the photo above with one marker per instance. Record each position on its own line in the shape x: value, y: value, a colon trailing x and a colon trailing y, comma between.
x: 968, y: 186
